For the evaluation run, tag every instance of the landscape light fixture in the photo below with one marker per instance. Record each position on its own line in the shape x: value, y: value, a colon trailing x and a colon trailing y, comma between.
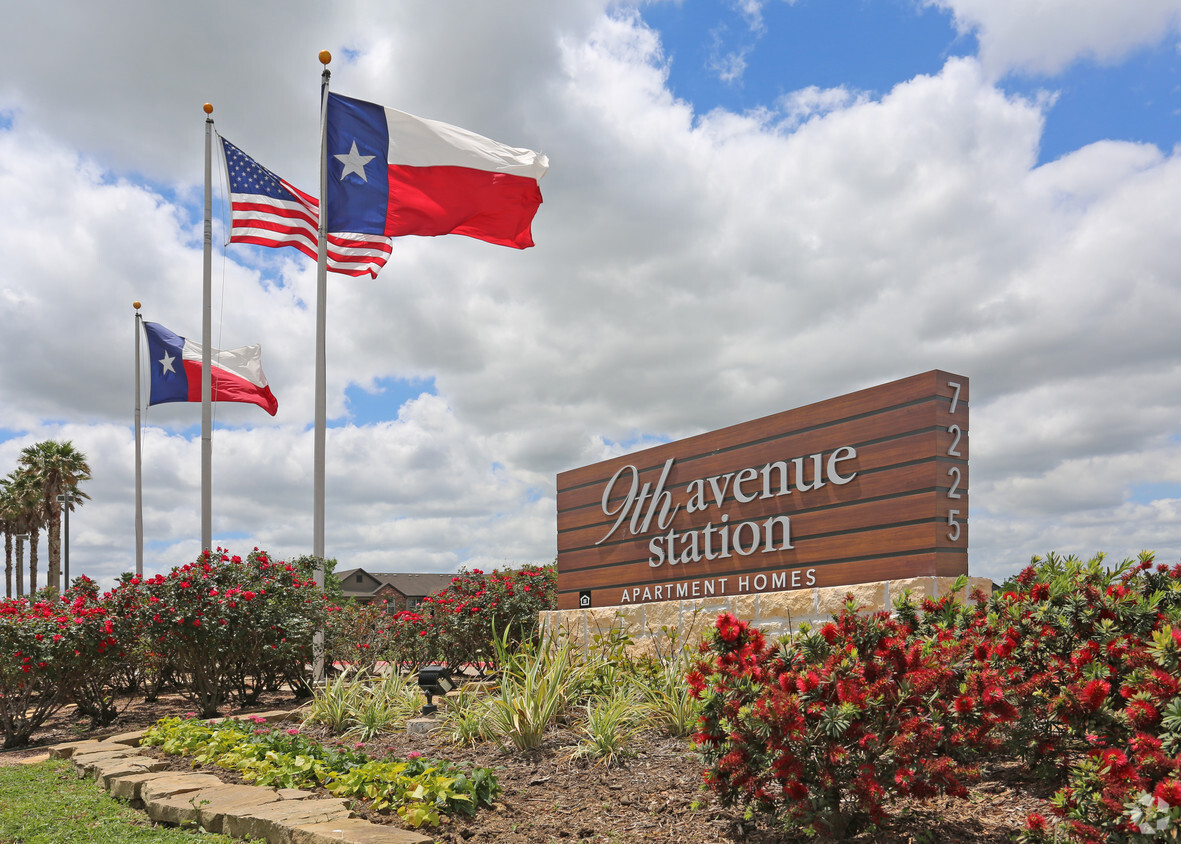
x: 66, y: 499
x: 434, y: 680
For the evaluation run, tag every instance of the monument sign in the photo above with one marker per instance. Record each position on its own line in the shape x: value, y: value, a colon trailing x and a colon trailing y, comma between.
x: 868, y: 486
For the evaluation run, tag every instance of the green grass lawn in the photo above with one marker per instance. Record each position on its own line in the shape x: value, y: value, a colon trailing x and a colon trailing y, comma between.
x: 47, y: 804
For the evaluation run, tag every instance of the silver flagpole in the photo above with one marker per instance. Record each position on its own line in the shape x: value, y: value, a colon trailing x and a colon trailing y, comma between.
x: 139, y: 479
x: 321, y: 366
x: 206, y: 352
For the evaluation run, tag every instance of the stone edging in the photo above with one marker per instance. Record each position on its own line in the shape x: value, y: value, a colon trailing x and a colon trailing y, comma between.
x: 276, y: 815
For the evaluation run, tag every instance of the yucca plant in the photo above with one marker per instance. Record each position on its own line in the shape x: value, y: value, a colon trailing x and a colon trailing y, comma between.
x: 535, y: 682
x: 402, y: 693
x: 465, y: 717
x: 335, y: 703
x: 363, y: 708
x: 608, y: 664
x: 664, y: 694
x: 374, y: 715
x: 611, y: 723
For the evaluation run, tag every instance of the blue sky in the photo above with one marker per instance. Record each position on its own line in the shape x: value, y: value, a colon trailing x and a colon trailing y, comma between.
x: 751, y: 206
x: 865, y: 45
x: 870, y: 46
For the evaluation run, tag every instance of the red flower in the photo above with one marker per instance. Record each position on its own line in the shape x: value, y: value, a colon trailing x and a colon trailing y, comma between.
x: 1036, y: 822
x: 729, y: 627
x: 1169, y: 791
x: 1142, y: 713
x: 964, y: 704
x: 1094, y: 694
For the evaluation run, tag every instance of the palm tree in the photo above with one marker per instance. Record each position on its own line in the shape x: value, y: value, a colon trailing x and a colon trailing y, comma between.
x: 8, y: 516
x: 59, y: 468
x: 25, y: 492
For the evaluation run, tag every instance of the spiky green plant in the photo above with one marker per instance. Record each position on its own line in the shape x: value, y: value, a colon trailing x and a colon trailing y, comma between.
x: 535, y: 683
x: 334, y: 704
x: 465, y: 717
x: 611, y: 723
x: 664, y: 694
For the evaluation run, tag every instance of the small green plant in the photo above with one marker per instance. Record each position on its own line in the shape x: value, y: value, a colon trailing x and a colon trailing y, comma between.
x: 334, y: 704
x: 611, y: 723
x: 420, y: 790
x: 464, y: 717
x: 666, y: 698
x: 535, y: 683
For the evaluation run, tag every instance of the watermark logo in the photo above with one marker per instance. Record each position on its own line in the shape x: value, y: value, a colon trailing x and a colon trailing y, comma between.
x: 1151, y: 815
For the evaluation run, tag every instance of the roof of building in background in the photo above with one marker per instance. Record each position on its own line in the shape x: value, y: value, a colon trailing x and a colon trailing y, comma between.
x: 410, y: 584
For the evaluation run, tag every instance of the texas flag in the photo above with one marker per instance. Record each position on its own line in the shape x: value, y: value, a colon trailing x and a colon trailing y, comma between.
x: 176, y: 371
x: 394, y: 174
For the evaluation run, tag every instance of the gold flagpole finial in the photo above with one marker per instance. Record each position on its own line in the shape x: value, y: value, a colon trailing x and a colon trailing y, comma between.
x: 207, y: 108
x: 325, y: 57
x: 136, y: 305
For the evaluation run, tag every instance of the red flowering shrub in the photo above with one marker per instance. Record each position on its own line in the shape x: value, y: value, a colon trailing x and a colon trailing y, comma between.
x: 1097, y: 667
x: 360, y: 636
x: 106, y: 634
x: 822, y: 729
x: 413, y: 642
x: 48, y: 649
x: 231, y: 628
x: 456, y: 626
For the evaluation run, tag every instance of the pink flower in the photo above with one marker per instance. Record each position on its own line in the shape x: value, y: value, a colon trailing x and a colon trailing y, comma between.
x: 413, y: 754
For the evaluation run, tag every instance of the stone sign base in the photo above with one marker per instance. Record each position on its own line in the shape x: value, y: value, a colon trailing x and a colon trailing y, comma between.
x: 775, y: 613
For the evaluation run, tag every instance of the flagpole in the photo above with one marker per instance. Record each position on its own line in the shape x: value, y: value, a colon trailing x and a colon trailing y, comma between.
x: 139, y: 481
x: 321, y: 326
x: 321, y: 421
x: 206, y: 352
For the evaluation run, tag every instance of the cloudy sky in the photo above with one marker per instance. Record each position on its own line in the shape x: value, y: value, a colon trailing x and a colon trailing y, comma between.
x: 751, y: 205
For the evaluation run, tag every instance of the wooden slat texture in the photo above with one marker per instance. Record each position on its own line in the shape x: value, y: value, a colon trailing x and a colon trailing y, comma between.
x: 894, y: 468
x: 907, y: 500
x: 894, y: 394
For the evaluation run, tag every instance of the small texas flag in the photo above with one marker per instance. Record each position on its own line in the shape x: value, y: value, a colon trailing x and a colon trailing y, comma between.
x: 176, y: 371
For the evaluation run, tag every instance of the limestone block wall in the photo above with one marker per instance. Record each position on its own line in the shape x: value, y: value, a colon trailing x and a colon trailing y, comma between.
x: 775, y: 613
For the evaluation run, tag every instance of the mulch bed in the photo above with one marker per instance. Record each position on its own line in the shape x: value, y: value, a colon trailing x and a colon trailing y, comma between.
x: 548, y: 796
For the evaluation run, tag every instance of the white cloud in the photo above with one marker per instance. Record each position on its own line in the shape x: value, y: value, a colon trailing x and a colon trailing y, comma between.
x: 1048, y: 35
x: 692, y: 271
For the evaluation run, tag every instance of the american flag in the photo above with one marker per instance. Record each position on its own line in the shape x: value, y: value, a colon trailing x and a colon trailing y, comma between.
x: 270, y: 212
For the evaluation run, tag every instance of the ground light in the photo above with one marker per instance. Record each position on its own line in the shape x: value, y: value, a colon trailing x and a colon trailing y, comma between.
x: 434, y: 680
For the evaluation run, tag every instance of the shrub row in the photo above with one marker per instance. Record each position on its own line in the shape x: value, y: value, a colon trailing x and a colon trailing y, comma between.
x: 221, y: 629
x: 1074, y: 669
x: 455, y: 627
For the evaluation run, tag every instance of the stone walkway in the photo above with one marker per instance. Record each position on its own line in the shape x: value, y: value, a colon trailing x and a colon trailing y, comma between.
x: 275, y: 815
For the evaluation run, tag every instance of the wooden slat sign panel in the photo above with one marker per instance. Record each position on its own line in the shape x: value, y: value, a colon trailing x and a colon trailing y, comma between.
x: 868, y: 486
